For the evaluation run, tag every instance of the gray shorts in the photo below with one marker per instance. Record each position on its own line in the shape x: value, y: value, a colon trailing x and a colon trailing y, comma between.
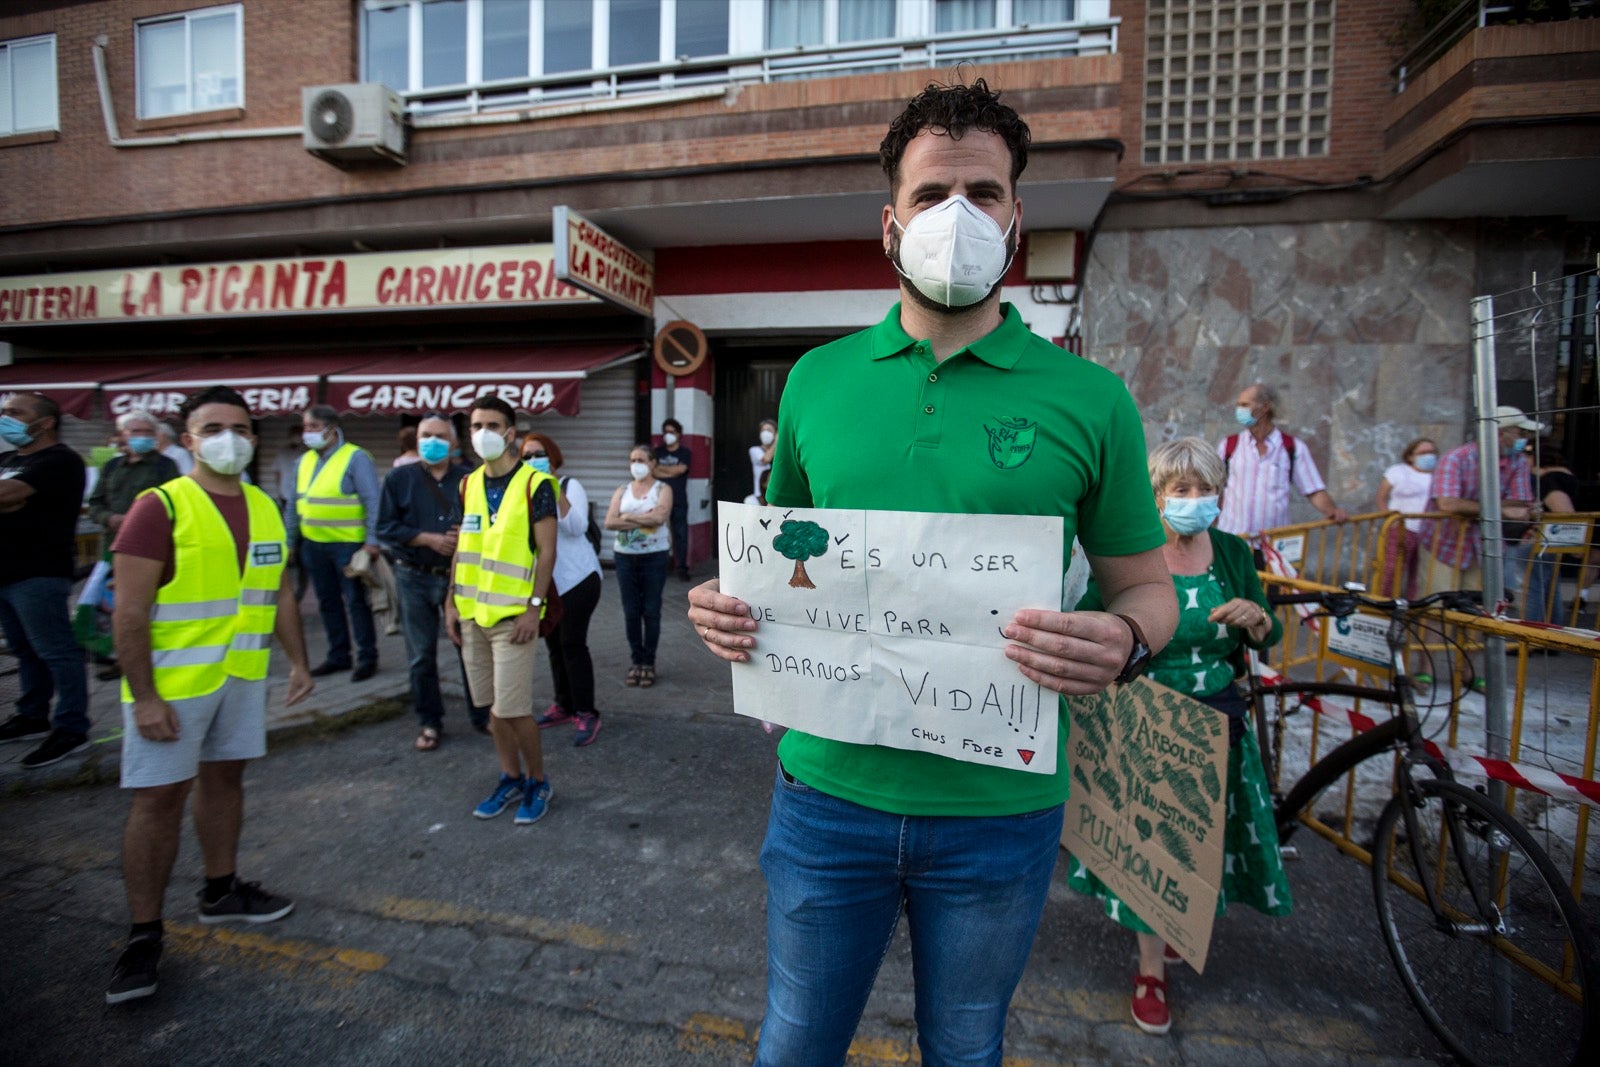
x: 230, y: 724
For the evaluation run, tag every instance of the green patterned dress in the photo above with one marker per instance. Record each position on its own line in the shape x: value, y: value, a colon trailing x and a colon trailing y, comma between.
x: 1196, y: 663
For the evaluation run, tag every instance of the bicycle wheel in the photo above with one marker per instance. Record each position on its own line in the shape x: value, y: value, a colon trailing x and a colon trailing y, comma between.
x: 1500, y: 912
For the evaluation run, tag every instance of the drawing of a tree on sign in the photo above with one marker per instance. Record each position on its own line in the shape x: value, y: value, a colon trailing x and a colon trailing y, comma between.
x: 800, y: 541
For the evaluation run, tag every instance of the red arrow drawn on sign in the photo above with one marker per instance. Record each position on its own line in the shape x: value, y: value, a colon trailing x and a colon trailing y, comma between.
x: 1026, y: 754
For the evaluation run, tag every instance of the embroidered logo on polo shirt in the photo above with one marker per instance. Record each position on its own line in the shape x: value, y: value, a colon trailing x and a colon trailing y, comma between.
x: 1011, y: 443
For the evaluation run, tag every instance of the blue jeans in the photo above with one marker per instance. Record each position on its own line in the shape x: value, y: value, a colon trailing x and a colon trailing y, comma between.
x: 838, y: 874
x: 325, y: 562
x: 33, y: 614
x: 640, y: 576
x: 1535, y: 601
x: 421, y: 604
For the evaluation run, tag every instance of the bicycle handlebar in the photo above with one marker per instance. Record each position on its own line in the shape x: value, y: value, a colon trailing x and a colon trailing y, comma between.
x: 1345, y: 602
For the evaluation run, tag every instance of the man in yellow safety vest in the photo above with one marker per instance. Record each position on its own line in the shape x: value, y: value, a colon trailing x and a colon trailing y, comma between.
x: 200, y: 574
x: 505, y: 555
x: 333, y: 515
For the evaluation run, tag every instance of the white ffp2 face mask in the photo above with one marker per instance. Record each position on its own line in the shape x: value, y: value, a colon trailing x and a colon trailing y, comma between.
x: 953, y: 253
x: 489, y: 444
x: 226, y: 453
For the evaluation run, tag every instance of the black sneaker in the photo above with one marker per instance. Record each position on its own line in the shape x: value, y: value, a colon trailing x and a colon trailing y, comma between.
x: 23, y: 728
x: 247, y: 902
x: 135, y: 973
x: 57, y: 747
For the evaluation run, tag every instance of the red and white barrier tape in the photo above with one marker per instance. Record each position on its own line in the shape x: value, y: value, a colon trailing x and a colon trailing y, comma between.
x: 1522, y: 775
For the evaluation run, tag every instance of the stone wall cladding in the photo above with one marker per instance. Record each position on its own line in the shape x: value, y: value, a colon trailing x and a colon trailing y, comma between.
x: 1363, y: 326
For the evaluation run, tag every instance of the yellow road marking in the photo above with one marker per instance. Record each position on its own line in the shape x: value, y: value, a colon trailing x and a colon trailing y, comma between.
x: 433, y: 911
x: 265, y: 952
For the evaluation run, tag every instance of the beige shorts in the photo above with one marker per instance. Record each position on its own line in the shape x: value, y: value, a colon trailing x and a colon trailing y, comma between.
x: 1438, y: 576
x: 499, y: 673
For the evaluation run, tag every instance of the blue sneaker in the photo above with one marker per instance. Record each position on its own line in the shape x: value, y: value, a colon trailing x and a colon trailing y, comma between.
x: 508, y: 790
x: 535, y: 802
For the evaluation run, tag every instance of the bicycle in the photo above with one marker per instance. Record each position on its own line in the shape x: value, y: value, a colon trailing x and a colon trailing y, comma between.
x: 1488, y: 941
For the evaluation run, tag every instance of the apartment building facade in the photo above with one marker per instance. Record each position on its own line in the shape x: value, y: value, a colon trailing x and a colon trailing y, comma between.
x: 1219, y: 191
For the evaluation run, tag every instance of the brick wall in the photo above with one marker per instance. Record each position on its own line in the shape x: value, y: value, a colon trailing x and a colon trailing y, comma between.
x: 294, y: 43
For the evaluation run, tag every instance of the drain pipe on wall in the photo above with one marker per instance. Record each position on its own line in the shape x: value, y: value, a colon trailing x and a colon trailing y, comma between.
x: 118, y: 141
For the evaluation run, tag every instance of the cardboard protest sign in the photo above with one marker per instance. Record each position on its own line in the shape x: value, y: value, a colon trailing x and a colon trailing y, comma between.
x: 883, y: 627
x: 1147, y: 810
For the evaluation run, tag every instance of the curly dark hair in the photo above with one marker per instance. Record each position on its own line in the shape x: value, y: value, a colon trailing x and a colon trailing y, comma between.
x: 215, y: 394
x: 955, y: 109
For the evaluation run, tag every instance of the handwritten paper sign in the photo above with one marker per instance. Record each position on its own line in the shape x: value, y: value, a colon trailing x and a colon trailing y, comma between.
x: 1147, y: 811
x: 883, y: 627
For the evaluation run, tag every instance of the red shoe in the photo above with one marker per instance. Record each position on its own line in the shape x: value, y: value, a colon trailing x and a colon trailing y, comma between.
x: 1150, y: 1012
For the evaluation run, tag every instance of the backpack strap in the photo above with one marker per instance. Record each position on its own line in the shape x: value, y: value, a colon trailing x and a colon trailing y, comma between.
x: 1288, y: 446
x: 1230, y: 445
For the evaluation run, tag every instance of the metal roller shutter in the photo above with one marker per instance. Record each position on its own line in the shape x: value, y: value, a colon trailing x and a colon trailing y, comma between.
x: 595, y: 443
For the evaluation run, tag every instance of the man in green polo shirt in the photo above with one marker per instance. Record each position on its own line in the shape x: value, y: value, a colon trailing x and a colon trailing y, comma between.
x: 949, y: 405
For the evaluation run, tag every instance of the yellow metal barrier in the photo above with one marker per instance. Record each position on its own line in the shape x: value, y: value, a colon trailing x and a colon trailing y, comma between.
x: 1554, y: 726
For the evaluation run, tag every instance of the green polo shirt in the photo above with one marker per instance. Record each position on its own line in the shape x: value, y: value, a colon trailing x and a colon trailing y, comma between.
x: 1009, y: 425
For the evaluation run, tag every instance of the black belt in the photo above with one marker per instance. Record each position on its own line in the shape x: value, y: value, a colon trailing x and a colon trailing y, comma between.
x: 438, y: 572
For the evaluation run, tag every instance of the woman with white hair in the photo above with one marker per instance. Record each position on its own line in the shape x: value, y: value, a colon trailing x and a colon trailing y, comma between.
x: 1221, y: 611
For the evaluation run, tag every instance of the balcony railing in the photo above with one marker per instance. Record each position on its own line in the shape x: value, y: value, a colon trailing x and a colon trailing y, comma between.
x: 945, y: 50
x: 1476, y: 14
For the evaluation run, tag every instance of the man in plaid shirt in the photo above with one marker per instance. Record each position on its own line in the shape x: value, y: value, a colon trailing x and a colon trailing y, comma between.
x: 1448, y: 556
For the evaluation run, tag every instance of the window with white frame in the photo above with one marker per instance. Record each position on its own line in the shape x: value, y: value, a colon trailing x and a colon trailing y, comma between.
x: 28, y: 96
x: 191, y: 61
x: 417, y: 46
x: 413, y: 45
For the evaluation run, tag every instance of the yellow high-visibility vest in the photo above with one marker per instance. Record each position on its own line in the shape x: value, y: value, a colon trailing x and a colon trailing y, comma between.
x: 494, y: 560
x: 210, y: 622
x: 326, y: 513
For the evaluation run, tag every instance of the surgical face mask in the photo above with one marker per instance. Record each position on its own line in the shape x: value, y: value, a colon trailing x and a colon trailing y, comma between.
x: 670, y: 439
x: 142, y: 446
x: 15, y: 431
x: 766, y: 437
x: 1519, y: 445
x: 489, y: 444
x: 1190, y: 515
x: 433, y: 449
x: 640, y: 471
x: 1243, y: 417
x: 1427, y: 461
x: 539, y: 463
x: 315, y: 440
x: 953, y: 253
x: 226, y: 452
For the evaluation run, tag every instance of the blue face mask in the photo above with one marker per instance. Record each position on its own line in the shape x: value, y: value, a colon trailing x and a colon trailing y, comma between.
x: 1190, y: 515
x: 1519, y: 445
x: 142, y: 446
x: 15, y: 431
x: 1242, y: 416
x: 539, y: 463
x: 1427, y: 462
x: 433, y: 449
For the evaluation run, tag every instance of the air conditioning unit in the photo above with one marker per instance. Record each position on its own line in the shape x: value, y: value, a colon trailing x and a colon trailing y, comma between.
x: 353, y: 124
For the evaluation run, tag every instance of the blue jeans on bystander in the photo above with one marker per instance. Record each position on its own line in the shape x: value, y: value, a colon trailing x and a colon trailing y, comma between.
x: 838, y: 875
x: 421, y: 609
x: 33, y: 614
x: 640, y: 576
x: 325, y: 563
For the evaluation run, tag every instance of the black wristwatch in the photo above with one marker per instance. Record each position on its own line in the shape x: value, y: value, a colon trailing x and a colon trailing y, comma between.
x: 1139, y: 658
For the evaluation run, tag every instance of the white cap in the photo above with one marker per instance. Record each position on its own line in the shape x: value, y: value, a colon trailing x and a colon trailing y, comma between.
x: 1512, y: 418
